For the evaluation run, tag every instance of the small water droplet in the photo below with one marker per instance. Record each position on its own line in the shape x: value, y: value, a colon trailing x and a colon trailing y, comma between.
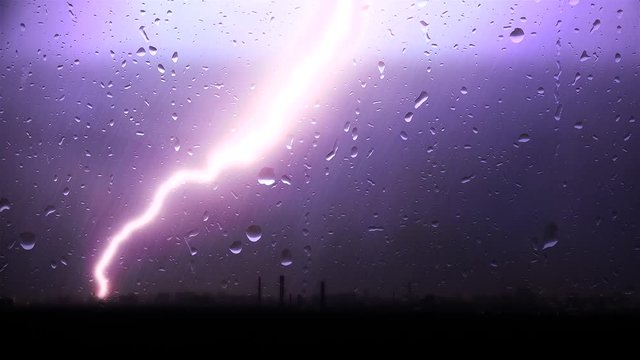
x: 517, y: 35
x: 403, y: 135
x: 463, y: 90
x: 153, y: 50
x: 161, y: 69
x: 266, y: 176
x: 618, y: 57
x: 174, y: 57
x: 524, y: 138
x: 354, y: 151
x: 584, y: 56
x: 141, y: 52
x: 408, y: 116
x: 254, y: 233
x: 285, y: 180
x: 381, y: 69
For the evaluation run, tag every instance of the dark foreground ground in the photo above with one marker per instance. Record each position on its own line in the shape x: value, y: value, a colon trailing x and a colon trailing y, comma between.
x: 399, y: 329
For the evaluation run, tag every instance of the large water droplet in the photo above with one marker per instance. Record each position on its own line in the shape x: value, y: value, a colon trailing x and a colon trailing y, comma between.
x: 27, y: 240
x: 267, y: 176
x: 549, y: 244
x: 235, y: 247
x: 516, y: 36
x: 174, y: 57
x: 254, y: 233
x: 286, y: 259
x: 141, y: 52
x: 421, y: 99
x: 524, y: 138
x: 4, y: 204
x: 161, y: 68
x: 49, y: 210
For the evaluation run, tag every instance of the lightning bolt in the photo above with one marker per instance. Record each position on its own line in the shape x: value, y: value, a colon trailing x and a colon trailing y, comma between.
x: 260, y: 135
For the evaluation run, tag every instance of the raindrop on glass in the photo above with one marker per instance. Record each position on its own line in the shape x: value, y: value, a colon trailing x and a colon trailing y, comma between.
x: 267, y: 176
x: 4, y: 204
x: 235, y: 247
x: 286, y: 259
x: 421, y: 99
x: 254, y: 233
x: 516, y: 36
x: 408, y: 116
x: 27, y: 240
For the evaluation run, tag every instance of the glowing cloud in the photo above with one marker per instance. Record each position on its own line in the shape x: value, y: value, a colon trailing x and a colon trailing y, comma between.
x: 259, y: 133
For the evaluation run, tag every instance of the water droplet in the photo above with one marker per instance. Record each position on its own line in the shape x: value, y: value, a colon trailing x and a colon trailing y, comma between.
x: 549, y: 244
x: 143, y: 33
x: 595, y: 26
x: 286, y: 259
x: 254, y: 233
x: 266, y: 176
x: 578, y: 125
x: 517, y: 35
x: 174, y: 116
x: 618, y: 57
x: 285, y: 180
x: 4, y: 204
x: 161, y: 69
x: 403, y: 135
x: 235, y: 247
x: 153, y: 50
x: 27, y: 240
x: 66, y: 191
x: 584, y: 56
x: 354, y: 151
x: 524, y: 138
x: 381, y: 69
x: 49, y: 210
x: 421, y: 99
x: 174, y: 57
x: 141, y: 52
x: 540, y: 90
x: 463, y: 90
x: 23, y: 27
x: 408, y: 116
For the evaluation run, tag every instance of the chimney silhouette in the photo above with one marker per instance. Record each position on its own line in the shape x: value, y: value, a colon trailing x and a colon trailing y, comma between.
x: 259, y: 290
x: 281, y: 290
